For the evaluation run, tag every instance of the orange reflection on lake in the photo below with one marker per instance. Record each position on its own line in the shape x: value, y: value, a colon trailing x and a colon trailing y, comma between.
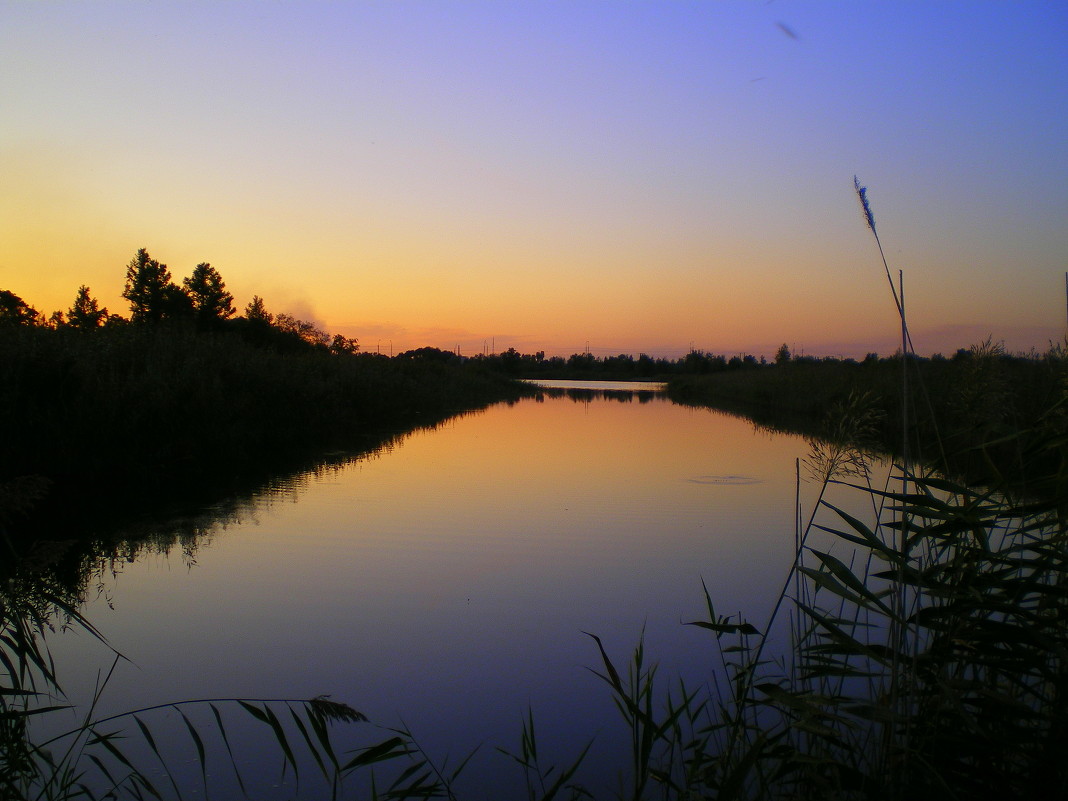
x: 448, y: 579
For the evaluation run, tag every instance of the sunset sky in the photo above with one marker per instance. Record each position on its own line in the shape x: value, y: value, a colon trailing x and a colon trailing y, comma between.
x: 635, y: 176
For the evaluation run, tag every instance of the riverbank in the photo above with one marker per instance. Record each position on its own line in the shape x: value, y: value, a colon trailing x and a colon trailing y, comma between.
x: 976, y: 414
x: 144, y: 411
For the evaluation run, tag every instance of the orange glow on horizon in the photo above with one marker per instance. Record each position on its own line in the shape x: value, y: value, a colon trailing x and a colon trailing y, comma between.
x: 665, y: 180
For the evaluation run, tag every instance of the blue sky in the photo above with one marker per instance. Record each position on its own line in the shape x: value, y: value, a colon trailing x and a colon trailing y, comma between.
x: 641, y: 176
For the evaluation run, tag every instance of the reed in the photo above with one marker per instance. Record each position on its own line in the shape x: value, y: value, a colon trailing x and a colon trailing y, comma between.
x: 151, y: 408
x: 144, y: 753
x: 928, y: 655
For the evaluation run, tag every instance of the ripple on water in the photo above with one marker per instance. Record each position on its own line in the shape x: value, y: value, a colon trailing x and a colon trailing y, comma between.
x: 725, y: 480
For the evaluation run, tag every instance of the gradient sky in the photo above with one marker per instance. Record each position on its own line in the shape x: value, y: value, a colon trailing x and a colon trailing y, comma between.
x: 638, y: 176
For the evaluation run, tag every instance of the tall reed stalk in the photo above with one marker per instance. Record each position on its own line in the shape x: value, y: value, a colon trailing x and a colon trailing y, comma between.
x: 929, y: 645
x: 928, y: 657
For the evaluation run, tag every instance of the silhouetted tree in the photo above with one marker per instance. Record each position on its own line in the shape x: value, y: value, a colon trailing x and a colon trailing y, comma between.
x: 306, y: 331
x: 582, y: 362
x: 256, y: 326
x: 511, y: 361
x: 782, y: 355
x: 428, y: 354
x: 86, y: 312
x: 622, y: 365
x: 207, y: 291
x: 15, y: 311
x: 177, y: 304
x: 696, y: 361
x: 256, y: 311
x: 151, y: 293
x: 645, y: 365
x: 342, y: 344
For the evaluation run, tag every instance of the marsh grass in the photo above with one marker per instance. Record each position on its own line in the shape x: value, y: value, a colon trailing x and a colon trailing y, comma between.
x: 156, y: 413
x: 145, y: 753
x: 928, y: 650
x: 543, y: 782
x: 973, y: 403
x: 928, y: 656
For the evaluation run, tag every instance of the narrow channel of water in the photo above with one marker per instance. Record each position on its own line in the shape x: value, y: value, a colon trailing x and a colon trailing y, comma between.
x: 446, y: 582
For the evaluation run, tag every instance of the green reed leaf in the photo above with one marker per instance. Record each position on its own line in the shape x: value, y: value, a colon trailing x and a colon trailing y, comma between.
x: 103, y: 768
x: 202, y: 756
x: 255, y: 711
x: 308, y: 741
x: 282, y: 740
x: 392, y: 748
x: 847, y: 577
x: 105, y: 740
x: 229, y: 750
x: 147, y: 734
x: 565, y: 776
x: 322, y: 734
x: 725, y: 628
x: 613, y: 675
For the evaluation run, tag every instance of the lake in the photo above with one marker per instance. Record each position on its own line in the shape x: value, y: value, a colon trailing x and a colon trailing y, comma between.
x: 444, y: 582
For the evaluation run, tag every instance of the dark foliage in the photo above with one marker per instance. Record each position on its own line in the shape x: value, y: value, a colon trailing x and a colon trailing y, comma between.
x: 15, y: 311
x: 968, y: 409
x: 145, y: 406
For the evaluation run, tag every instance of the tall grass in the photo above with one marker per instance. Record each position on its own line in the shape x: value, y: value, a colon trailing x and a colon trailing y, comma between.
x: 145, y: 411
x: 929, y: 650
x: 926, y: 654
x: 976, y: 401
x: 160, y: 410
x: 147, y: 753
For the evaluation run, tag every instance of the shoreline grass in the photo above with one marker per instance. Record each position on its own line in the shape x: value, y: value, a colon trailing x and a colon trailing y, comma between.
x: 969, y: 416
x: 929, y: 657
x: 157, y: 412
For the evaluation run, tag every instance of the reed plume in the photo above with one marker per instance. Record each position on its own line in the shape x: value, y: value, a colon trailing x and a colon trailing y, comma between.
x: 869, y: 218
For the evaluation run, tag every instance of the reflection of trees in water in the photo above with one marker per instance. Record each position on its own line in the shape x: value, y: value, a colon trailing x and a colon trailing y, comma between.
x: 44, y: 582
x: 125, y: 755
x: 584, y: 395
x: 77, y: 556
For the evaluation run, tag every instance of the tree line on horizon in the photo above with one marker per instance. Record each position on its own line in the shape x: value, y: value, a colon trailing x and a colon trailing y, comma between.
x: 184, y: 391
x: 200, y: 302
x: 625, y: 366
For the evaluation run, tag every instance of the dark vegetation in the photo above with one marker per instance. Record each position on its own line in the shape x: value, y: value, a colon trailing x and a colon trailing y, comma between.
x: 185, y: 395
x: 927, y: 654
x: 961, y: 413
x: 967, y: 414
x: 623, y: 367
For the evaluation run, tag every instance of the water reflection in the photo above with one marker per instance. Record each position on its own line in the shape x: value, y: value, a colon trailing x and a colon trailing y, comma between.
x: 446, y: 578
x: 587, y: 391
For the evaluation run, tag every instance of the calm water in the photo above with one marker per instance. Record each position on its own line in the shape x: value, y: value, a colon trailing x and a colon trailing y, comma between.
x: 446, y: 582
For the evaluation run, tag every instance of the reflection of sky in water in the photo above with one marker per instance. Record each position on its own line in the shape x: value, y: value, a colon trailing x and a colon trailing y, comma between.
x: 448, y: 581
